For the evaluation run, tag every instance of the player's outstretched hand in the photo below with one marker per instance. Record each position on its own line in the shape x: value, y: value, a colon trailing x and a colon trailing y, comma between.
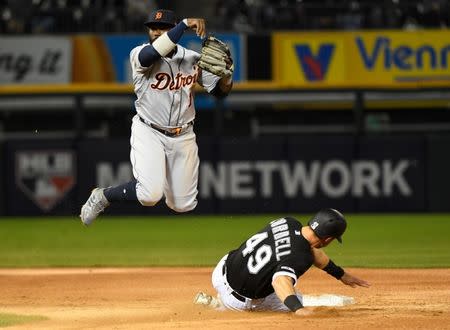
x: 305, y: 311
x: 198, y: 25
x: 353, y: 281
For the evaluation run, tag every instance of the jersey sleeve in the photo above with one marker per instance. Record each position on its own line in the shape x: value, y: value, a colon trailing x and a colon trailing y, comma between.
x: 208, y: 80
x: 292, y: 268
x: 134, y: 59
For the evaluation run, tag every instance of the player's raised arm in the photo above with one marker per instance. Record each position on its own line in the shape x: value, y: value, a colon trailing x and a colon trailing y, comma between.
x: 198, y: 25
x: 164, y: 35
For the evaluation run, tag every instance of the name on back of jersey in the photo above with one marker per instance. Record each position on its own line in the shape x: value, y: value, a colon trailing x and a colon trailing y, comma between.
x: 280, y: 231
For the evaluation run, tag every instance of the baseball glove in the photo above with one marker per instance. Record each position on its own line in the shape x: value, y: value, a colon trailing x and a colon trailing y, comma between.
x: 216, y: 57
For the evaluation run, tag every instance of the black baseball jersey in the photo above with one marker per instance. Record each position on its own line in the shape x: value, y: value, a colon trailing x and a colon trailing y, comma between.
x: 278, y: 249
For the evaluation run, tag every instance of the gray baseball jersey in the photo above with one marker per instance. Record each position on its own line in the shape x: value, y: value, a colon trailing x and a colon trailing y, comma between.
x: 164, y: 91
x: 164, y: 165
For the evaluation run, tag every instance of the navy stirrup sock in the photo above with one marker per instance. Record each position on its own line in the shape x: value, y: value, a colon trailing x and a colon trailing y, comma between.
x: 123, y: 192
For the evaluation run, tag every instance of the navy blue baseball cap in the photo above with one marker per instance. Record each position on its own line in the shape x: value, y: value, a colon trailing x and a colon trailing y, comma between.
x: 161, y: 17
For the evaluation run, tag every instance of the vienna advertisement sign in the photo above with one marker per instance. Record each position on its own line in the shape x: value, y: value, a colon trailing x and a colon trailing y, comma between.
x: 378, y: 58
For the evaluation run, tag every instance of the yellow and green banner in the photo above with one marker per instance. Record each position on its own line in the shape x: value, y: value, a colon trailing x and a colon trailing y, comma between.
x: 362, y: 58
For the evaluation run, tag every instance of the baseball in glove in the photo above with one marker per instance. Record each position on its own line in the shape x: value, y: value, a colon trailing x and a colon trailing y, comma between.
x: 216, y: 57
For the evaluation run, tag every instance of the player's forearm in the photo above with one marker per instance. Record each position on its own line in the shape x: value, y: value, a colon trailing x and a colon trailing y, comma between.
x: 334, y: 270
x: 320, y: 258
x: 322, y: 261
x: 223, y: 87
x: 225, y: 84
x: 162, y: 46
x: 168, y: 40
x: 285, y: 291
x: 283, y: 287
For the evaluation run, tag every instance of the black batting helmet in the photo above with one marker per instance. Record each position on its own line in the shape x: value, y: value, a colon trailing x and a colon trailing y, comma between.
x: 161, y: 17
x: 328, y: 223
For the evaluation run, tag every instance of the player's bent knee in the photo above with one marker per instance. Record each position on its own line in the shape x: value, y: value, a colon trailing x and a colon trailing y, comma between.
x: 149, y: 199
x: 182, y: 209
x: 181, y: 206
x: 148, y: 202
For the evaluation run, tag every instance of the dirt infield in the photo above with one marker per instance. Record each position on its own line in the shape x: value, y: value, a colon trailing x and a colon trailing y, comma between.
x: 157, y: 298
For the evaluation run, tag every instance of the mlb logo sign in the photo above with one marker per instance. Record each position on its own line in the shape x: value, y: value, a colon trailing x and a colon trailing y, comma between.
x: 315, y: 65
x: 45, y: 176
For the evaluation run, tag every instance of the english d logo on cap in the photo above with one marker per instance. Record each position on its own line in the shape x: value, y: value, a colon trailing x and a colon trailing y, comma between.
x: 161, y: 17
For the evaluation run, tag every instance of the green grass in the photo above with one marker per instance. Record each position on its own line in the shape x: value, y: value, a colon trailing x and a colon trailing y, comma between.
x: 7, y: 320
x: 403, y: 240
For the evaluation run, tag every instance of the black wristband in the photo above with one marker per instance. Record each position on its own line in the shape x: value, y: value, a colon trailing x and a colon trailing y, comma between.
x: 334, y: 270
x: 292, y: 302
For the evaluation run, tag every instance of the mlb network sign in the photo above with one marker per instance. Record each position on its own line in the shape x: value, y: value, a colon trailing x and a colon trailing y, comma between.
x: 259, y: 179
x: 376, y: 58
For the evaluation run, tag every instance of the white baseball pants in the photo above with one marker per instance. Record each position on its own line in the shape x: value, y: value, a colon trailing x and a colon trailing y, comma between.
x: 229, y: 300
x: 164, y: 165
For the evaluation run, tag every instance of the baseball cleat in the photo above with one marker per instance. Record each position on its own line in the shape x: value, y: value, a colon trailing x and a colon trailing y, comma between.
x: 202, y: 299
x: 95, y: 205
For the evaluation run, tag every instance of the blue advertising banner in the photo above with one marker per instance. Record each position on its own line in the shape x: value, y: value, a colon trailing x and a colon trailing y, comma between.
x: 119, y: 47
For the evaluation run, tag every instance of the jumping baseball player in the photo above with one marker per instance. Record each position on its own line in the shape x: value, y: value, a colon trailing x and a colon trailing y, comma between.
x: 261, y: 274
x: 163, y: 143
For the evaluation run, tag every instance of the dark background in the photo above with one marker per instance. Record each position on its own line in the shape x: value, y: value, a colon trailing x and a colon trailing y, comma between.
x: 427, y: 176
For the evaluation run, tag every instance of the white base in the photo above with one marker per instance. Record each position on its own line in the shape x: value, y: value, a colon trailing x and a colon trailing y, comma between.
x: 327, y: 300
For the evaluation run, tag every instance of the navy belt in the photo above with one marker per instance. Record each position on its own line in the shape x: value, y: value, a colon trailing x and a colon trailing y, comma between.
x: 173, y: 131
x: 233, y: 293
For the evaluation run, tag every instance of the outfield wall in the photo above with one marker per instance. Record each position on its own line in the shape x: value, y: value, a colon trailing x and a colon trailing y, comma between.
x: 276, y: 174
x: 272, y: 174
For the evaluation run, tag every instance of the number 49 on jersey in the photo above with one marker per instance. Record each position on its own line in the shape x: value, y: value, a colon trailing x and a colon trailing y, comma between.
x: 262, y: 255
